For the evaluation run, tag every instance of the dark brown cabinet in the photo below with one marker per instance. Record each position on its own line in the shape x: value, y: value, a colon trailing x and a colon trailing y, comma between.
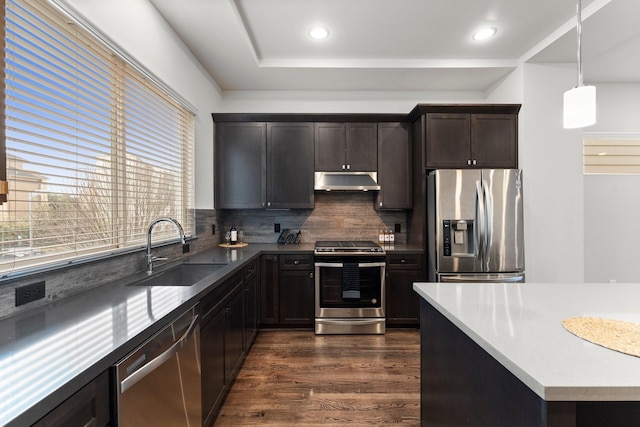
x: 290, y: 165
x: 263, y: 165
x: 252, y: 304
x: 461, y: 140
x: 296, y: 290
x: 287, y: 290
x: 394, y: 166
x: 229, y: 325
x: 269, y: 272
x: 240, y: 165
x: 402, y: 303
x: 87, y: 407
x: 213, y: 373
x: 346, y: 147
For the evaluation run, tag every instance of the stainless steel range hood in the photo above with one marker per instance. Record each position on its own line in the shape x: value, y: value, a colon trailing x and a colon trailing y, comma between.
x: 346, y: 181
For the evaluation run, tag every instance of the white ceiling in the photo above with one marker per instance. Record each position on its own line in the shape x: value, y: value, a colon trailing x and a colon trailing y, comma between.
x: 400, y: 45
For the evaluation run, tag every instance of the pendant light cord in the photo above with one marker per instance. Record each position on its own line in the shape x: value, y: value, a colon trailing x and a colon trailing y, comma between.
x: 579, y: 31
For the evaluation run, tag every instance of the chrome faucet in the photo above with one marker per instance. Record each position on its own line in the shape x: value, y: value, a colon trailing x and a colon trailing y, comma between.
x: 150, y: 257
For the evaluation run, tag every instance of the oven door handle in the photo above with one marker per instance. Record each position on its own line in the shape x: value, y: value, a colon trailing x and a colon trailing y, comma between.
x: 340, y: 264
x: 329, y: 264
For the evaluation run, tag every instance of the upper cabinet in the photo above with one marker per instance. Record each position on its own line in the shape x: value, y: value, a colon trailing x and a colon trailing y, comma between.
x: 470, y: 136
x: 263, y: 165
x: 290, y: 165
x: 394, y: 166
x: 346, y: 147
x: 240, y: 165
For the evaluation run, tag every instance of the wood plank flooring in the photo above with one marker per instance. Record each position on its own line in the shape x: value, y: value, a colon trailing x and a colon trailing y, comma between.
x: 295, y: 378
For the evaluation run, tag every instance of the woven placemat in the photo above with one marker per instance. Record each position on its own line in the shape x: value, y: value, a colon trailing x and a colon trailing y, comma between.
x: 612, y: 334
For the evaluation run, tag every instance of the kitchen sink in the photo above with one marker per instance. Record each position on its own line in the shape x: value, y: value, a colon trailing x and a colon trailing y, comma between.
x: 180, y: 275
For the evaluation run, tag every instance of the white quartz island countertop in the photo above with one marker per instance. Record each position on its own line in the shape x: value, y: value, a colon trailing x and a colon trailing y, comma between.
x: 520, y: 326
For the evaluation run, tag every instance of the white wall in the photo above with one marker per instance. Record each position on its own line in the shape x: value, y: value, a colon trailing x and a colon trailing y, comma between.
x: 338, y: 102
x: 612, y: 202
x: 551, y: 158
x: 138, y: 28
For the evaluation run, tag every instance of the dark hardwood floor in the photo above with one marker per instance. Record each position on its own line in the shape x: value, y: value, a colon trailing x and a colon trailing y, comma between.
x: 295, y: 378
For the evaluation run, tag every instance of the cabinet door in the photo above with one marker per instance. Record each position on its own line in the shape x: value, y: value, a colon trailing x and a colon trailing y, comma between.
x: 448, y: 140
x: 402, y: 303
x: 290, y: 165
x: 362, y: 147
x: 251, y: 311
x: 234, y: 334
x: 212, y: 355
x: 240, y: 154
x: 394, y: 166
x: 87, y: 407
x: 297, y: 298
x: 269, y: 290
x: 330, y: 145
x: 494, y: 140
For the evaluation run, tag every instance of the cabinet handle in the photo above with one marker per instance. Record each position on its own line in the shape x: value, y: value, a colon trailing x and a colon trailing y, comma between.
x: 296, y: 262
x: 268, y: 204
x: 310, y: 275
x: 344, y: 167
x: 348, y: 167
x: 380, y: 204
x: 403, y: 261
x: 468, y: 162
x: 474, y: 162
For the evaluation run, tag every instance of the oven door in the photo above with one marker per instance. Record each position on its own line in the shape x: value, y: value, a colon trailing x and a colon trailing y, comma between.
x: 351, y: 287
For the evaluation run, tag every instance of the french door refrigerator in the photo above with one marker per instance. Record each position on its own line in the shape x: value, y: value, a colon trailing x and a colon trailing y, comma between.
x: 475, y: 225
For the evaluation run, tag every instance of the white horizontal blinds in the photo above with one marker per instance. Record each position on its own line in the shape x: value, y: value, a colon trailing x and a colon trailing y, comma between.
x: 156, y: 166
x: 619, y: 155
x: 95, y: 151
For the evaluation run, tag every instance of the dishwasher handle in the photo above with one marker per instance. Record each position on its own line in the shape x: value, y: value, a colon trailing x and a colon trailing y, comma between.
x: 128, y: 382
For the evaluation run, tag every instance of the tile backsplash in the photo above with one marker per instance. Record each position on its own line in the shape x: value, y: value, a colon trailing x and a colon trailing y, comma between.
x: 336, y: 216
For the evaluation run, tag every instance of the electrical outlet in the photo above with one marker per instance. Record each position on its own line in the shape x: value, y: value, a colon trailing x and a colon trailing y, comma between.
x: 276, y: 227
x: 28, y: 293
x: 398, y: 228
x: 185, y: 248
x: 213, y: 229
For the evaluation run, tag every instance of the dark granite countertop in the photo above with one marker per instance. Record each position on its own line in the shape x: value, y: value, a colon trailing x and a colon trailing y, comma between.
x: 48, y: 353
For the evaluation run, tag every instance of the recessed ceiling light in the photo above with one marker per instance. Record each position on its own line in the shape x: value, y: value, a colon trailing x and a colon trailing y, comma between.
x: 319, y: 33
x: 485, y: 33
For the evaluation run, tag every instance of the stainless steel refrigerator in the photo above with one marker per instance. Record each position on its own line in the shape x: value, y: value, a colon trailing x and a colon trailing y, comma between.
x: 475, y: 225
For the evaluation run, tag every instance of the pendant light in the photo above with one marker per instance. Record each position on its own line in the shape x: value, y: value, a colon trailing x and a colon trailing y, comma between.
x: 579, y: 102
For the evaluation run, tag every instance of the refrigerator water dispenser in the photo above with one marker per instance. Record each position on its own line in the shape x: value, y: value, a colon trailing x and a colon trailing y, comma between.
x: 458, y: 237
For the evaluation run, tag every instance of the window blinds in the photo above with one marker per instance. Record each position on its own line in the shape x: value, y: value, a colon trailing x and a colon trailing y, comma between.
x: 95, y: 148
x: 611, y: 154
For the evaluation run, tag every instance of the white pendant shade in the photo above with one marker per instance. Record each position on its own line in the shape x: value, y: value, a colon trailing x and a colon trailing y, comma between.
x: 579, y: 107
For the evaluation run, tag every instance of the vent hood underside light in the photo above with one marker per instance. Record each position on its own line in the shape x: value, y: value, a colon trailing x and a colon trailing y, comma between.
x: 346, y: 181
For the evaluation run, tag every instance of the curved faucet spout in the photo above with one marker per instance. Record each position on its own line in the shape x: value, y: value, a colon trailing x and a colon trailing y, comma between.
x: 150, y: 257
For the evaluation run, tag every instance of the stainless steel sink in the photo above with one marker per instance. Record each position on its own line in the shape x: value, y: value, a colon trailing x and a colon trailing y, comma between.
x: 180, y: 275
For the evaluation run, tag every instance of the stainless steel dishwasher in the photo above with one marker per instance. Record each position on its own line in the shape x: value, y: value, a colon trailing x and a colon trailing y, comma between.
x: 159, y: 383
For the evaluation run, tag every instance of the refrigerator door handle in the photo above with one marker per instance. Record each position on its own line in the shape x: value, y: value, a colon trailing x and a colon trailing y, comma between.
x: 479, y: 223
x: 487, y: 226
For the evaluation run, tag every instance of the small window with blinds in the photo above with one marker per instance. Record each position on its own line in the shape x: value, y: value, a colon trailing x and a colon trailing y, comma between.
x: 96, y: 148
x: 611, y: 154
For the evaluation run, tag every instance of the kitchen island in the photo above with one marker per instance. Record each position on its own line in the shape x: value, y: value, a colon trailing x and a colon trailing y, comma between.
x: 496, y: 354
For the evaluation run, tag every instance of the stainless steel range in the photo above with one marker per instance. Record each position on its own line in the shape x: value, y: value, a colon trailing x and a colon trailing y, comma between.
x: 349, y: 282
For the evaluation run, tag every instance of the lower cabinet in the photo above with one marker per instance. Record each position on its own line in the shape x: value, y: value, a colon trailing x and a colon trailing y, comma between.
x: 89, y: 406
x: 229, y: 326
x: 402, y: 303
x: 287, y: 291
x: 252, y: 305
